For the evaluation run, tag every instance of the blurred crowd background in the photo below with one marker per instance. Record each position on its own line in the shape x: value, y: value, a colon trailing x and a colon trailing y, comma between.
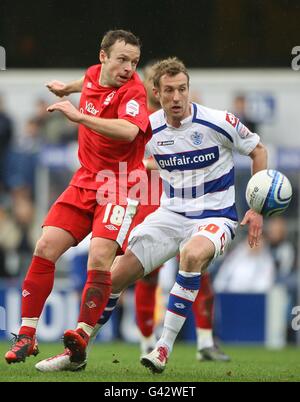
x: 38, y: 149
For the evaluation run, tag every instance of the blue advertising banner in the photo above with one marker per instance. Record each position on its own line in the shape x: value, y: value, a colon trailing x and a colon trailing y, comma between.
x: 238, y: 317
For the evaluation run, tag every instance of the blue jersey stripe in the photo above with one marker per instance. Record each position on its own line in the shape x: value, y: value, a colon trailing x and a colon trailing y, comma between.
x: 214, y: 127
x: 210, y: 125
x: 195, y: 111
x: 229, y: 213
x: 158, y: 129
x: 221, y: 184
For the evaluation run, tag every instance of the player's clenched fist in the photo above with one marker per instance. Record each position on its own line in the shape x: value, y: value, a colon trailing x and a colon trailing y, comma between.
x: 58, y: 88
x: 67, y: 109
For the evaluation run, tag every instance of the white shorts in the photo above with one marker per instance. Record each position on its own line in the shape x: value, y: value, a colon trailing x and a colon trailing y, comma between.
x: 164, y: 233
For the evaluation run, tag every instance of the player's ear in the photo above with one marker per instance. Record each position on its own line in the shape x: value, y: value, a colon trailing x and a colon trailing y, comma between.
x: 156, y: 93
x: 102, y: 56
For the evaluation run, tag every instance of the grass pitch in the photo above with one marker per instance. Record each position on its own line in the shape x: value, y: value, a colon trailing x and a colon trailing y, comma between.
x: 119, y: 362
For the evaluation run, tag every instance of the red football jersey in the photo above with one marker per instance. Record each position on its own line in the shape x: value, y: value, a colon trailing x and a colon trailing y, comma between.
x: 97, y: 152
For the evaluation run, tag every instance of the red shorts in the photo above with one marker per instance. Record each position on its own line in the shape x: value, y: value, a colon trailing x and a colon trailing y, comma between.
x: 78, y: 212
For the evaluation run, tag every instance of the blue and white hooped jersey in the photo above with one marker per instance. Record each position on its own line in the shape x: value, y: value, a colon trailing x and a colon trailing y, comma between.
x: 196, y: 161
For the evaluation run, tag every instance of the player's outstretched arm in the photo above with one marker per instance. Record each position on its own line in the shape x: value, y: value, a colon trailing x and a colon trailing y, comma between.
x: 259, y: 158
x: 61, y: 89
x: 118, y: 129
x: 67, y: 109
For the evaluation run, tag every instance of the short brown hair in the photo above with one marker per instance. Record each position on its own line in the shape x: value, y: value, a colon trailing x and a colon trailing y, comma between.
x: 111, y: 37
x: 171, y: 66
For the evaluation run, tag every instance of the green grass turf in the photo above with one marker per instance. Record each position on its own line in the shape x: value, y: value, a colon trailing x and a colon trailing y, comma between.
x: 119, y: 362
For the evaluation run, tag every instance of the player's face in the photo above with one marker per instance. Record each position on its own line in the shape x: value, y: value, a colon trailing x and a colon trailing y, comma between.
x: 119, y: 66
x: 173, y: 95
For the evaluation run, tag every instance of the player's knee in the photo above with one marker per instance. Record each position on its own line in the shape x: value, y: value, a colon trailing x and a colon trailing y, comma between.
x: 192, y: 260
x: 46, y: 249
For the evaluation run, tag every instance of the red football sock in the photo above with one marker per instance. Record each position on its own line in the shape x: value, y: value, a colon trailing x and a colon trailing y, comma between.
x: 204, y: 304
x: 37, y: 286
x: 145, y: 305
x: 95, y: 296
x: 29, y: 331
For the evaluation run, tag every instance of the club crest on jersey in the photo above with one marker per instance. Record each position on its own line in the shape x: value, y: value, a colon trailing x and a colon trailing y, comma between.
x: 197, y: 138
x: 109, y: 98
x: 132, y: 108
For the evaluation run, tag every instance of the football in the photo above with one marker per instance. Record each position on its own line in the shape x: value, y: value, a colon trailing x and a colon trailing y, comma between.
x: 269, y: 192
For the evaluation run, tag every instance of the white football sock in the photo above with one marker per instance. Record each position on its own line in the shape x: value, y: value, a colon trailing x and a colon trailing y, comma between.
x: 182, y: 296
x: 30, y: 322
